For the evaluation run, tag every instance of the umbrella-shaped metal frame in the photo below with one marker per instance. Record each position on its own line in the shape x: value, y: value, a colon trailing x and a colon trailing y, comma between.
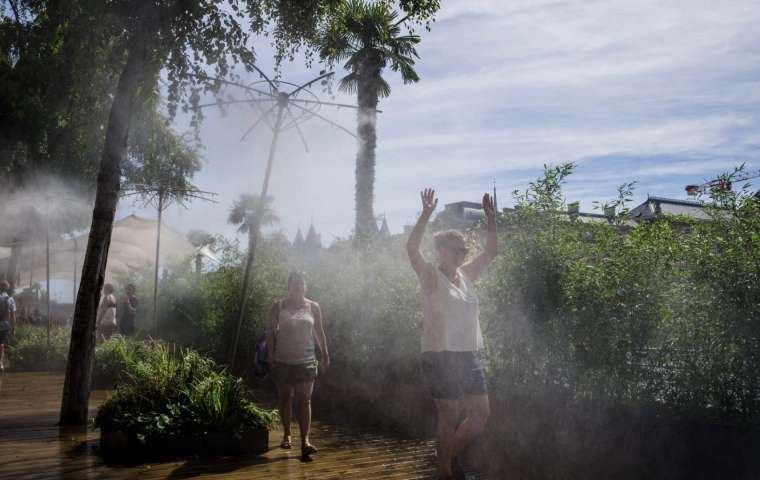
x: 280, y: 111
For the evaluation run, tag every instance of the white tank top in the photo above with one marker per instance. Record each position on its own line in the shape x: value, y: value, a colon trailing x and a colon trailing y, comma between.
x: 450, y: 316
x: 295, y: 341
x: 110, y: 317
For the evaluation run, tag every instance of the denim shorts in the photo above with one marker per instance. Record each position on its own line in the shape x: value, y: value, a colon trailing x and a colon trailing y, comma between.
x: 449, y: 375
x: 284, y: 374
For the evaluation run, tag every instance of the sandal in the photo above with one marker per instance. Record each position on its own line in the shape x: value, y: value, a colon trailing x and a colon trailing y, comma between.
x: 286, y: 444
x: 307, y: 450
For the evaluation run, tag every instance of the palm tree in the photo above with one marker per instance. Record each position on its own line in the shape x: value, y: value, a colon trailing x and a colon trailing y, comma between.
x: 250, y: 213
x: 243, y: 213
x: 367, y: 36
x: 199, y: 238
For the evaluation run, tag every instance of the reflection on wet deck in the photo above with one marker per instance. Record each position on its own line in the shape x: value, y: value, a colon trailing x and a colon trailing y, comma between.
x: 32, y: 446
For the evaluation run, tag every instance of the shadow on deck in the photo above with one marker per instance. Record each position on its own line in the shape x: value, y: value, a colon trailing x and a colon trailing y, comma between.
x: 32, y: 446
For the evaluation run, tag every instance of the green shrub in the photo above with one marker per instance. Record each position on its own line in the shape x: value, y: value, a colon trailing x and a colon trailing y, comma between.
x: 114, y: 356
x: 201, y: 310
x: 29, y: 351
x: 661, y: 318
x: 177, y: 391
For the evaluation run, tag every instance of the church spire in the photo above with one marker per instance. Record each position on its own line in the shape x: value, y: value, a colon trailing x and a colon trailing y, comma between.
x: 298, y: 242
x: 384, y: 230
x: 495, y: 207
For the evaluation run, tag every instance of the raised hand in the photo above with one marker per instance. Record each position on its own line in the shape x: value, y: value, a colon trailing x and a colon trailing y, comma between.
x: 488, y: 207
x: 429, y: 202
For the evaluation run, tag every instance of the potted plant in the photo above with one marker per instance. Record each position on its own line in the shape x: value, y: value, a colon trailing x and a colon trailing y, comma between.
x: 178, y: 403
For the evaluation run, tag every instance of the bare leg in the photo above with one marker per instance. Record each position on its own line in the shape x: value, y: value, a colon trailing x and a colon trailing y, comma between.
x: 286, y: 409
x: 303, y: 398
x: 2, y: 353
x: 478, y: 411
x: 448, y: 414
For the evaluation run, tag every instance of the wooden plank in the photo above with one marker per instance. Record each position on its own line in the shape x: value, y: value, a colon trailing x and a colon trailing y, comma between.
x: 32, y: 446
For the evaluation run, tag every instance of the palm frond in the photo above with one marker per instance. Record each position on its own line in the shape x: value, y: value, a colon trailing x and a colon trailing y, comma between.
x: 383, y: 88
x: 369, y: 33
x: 349, y: 84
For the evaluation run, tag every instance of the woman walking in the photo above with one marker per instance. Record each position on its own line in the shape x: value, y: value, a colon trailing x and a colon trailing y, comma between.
x: 292, y: 362
x: 451, y: 334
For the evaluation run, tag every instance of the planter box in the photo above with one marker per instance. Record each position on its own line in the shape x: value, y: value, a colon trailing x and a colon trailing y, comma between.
x: 115, y: 445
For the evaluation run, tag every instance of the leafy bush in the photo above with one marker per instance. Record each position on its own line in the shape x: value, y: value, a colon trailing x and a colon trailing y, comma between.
x: 201, y: 309
x: 30, y: 351
x: 662, y: 317
x: 177, y: 391
x: 114, y: 356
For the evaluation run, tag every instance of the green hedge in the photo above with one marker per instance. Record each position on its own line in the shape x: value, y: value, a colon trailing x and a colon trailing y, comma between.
x: 661, y: 318
x: 29, y: 351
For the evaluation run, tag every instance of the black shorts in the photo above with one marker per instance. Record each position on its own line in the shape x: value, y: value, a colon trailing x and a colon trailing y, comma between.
x: 127, y: 328
x: 449, y: 375
x: 4, y: 334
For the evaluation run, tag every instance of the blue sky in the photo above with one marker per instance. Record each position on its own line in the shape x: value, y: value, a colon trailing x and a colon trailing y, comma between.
x: 663, y: 92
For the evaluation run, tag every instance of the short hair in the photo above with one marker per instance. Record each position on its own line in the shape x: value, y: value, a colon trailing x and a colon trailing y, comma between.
x: 294, y: 274
x: 4, y: 285
x: 108, y: 289
x: 443, y: 238
x: 130, y: 285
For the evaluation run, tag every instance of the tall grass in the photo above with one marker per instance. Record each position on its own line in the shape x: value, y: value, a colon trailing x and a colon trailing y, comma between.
x: 114, y: 357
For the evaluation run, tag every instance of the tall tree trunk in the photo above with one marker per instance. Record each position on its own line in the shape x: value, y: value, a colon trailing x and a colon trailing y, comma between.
x: 76, y: 387
x: 365, y: 225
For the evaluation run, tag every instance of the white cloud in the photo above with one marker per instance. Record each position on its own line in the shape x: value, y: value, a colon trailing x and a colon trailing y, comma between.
x: 665, y: 92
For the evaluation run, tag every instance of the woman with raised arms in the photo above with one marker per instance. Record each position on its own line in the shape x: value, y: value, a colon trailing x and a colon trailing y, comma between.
x: 451, y: 334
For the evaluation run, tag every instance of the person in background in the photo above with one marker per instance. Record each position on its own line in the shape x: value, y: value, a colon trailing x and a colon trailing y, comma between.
x: 451, y: 334
x: 292, y: 362
x: 7, y: 319
x: 107, y: 315
x: 128, y: 317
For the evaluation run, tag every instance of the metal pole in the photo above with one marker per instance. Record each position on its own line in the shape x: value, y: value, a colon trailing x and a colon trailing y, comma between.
x: 158, y: 246
x: 282, y: 102
x: 47, y: 263
x: 31, y: 276
x: 74, y: 290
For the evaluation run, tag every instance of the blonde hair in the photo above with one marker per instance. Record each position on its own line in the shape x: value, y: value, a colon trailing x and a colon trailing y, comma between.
x: 443, y: 238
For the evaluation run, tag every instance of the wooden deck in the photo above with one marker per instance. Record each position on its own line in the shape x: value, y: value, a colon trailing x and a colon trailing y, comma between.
x: 32, y: 446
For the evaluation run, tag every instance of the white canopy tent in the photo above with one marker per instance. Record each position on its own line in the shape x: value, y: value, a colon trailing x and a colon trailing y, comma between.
x: 133, y: 245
